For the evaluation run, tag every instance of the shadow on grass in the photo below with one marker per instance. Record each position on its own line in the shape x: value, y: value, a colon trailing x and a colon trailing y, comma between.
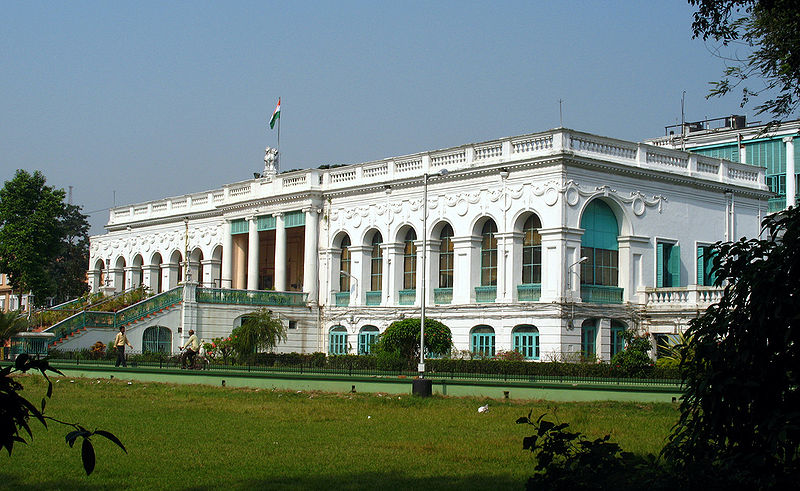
x: 10, y: 481
x: 357, y: 481
x: 390, y: 481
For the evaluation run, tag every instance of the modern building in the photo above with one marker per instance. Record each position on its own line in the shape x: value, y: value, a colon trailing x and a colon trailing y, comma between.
x: 731, y: 138
x: 549, y: 243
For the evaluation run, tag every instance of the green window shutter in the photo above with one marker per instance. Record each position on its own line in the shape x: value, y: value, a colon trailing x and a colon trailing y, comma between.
x: 659, y: 265
x: 266, y: 222
x: 675, y: 265
x: 239, y: 227
x: 701, y: 268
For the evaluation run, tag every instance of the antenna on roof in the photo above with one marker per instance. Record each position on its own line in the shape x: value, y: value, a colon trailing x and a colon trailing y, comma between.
x: 560, y: 114
x: 683, y: 122
x: 69, y: 196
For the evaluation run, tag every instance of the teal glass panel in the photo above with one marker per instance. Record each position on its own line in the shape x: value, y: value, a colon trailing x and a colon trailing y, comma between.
x: 727, y: 152
x: 294, y: 219
x: 239, y: 226
x: 338, y: 341
x: 526, y: 342
x: 589, y: 340
x: 617, y: 340
x: 600, y: 227
x: 366, y: 338
x: 770, y: 154
x: 482, y: 341
x: 266, y: 222
x: 157, y: 339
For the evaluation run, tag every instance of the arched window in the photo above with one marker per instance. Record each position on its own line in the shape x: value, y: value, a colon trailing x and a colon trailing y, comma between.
x: 344, y: 266
x: 617, y: 341
x: 599, y: 244
x: 482, y: 341
x: 366, y: 338
x: 338, y: 341
x: 376, y: 263
x: 532, y: 251
x: 157, y: 339
x: 526, y: 341
x: 410, y: 261
x: 489, y: 254
x: 589, y: 338
x: 446, y: 257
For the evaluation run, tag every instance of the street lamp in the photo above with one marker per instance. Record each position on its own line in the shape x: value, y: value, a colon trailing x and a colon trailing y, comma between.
x: 355, y: 280
x: 426, y: 176
x: 569, y: 272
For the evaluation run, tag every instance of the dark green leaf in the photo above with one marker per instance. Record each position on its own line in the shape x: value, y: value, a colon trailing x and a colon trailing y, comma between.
x: 87, y: 455
x: 111, y: 437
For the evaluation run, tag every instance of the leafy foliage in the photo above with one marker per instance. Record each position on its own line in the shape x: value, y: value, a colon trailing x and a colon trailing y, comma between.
x: 11, y: 323
x: 44, y: 242
x: 739, y: 412
x: 634, y: 360
x: 771, y: 30
x: 259, y: 332
x: 567, y: 460
x: 403, y: 337
x: 16, y: 412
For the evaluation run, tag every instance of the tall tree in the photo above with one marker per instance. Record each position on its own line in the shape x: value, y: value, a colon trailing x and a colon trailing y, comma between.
x: 770, y: 31
x: 259, y: 332
x: 68, y: 269
x: 29, y: 232
x: 739, y: 413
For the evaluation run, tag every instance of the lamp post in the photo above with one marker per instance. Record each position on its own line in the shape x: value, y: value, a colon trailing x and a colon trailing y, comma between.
x: 355, y: 280
x: 569, y: 272
x: 421, y: 366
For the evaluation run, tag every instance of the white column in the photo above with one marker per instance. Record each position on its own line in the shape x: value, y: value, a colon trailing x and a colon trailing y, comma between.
x: 227, y: 256
x: 466, y: 268
x: 311, y: 255
x: 790, y: 182
x: 210, y: 267
x: 280, y: 252
x: 505, y: 266
x: 392, y: 281
x: 252, y: 253
x: 129, y: 277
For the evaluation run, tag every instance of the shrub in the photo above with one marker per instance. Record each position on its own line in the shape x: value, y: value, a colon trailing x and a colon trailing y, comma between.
x: 634, y: 360
x: 403, y: 337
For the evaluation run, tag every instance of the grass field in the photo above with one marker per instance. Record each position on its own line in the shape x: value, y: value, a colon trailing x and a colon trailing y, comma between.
x: 201, y: 437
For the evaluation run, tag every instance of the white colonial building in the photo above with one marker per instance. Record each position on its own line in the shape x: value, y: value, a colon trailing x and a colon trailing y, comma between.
x: 549, y: 243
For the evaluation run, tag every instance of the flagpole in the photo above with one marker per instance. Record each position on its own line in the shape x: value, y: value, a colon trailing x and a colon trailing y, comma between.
x: 278, y: 154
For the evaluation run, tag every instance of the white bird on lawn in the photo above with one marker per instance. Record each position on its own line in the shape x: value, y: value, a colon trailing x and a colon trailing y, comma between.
x: 483, y: 409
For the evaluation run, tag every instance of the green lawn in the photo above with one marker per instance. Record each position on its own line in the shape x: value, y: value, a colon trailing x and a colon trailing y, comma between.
x: 201, y: 437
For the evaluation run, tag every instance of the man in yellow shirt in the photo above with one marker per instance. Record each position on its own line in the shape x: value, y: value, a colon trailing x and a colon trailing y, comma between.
x: 192, y: 347
x: 119, y: 343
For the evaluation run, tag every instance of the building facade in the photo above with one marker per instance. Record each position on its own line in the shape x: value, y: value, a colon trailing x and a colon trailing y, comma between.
x: 550, y: 243
x: 731, y: 138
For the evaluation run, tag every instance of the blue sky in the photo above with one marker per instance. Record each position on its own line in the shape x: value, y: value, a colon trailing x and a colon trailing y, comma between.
x: 143, y: 100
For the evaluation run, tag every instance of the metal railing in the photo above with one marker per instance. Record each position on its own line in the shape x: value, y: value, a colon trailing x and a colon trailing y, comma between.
x: 529, y: 292
x: 485, y: 294
x: 249, y: 297
x: 601, y: 294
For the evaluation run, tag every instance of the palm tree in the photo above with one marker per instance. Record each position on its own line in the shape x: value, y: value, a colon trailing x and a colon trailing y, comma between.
x: 11, y: 323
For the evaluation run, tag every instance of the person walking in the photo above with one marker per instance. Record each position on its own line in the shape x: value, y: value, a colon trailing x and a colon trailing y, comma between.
x: 119, y: 342
x: 192, y: 347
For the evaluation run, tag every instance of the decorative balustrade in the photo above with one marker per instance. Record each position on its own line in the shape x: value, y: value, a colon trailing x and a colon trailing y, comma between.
x: 532, y: 144
x: 373, y: 298
x: 602, y: 146
x: 523, y: 147
x: 682, y: 297
x: 442, y: 295
x: 488, y: 152
x: 485, y: 294
x: 407, y: 297
x: 601, y: 294
x: 408, y: 165
x: 529, y: 292
x: 377, y: 171
x: 341, y: 299
x: 250, y: 297
x: 655, y: 157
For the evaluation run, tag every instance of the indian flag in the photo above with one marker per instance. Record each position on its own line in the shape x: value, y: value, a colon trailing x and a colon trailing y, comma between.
x: 275, y: 114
